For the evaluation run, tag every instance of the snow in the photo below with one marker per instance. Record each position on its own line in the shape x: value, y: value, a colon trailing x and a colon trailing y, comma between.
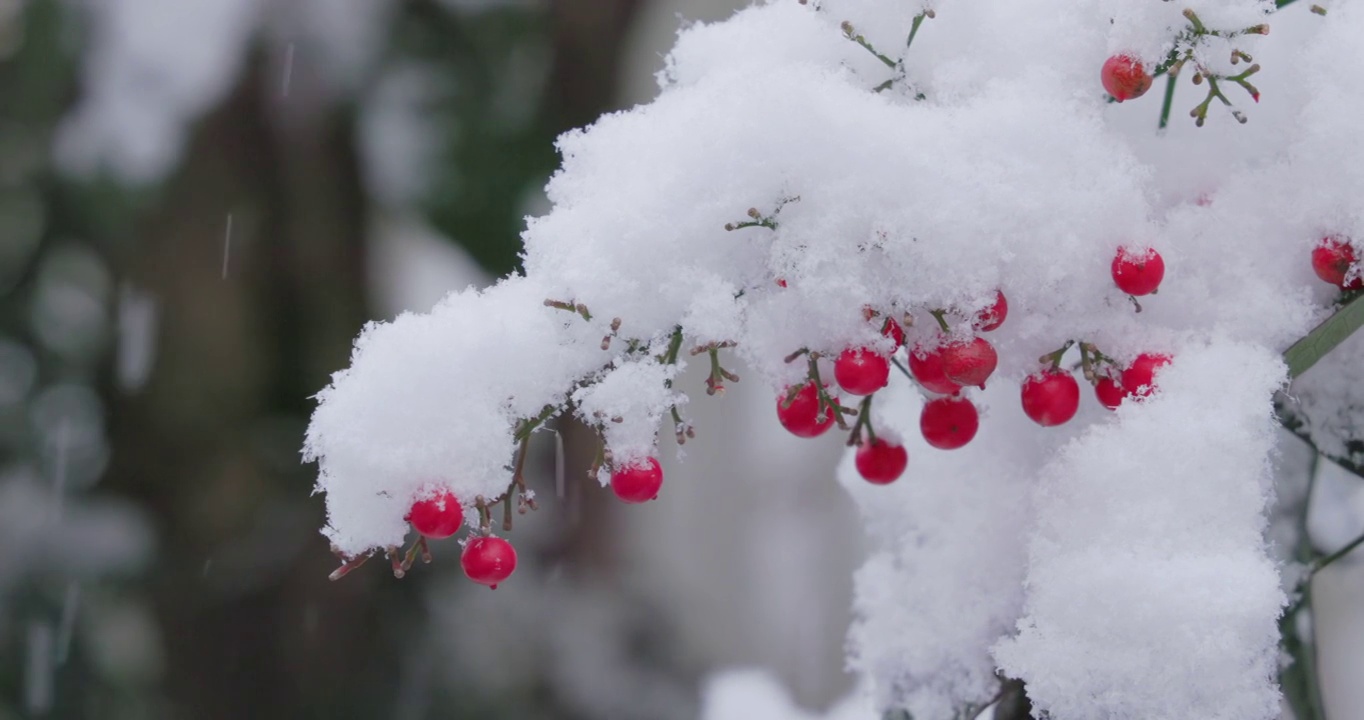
x: 1147, y: 540
x: 627, y: 403
x: 1117, y: 564
x: 944, y: 580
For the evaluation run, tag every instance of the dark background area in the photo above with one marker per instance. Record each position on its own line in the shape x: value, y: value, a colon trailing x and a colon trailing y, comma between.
x: 173, y: 567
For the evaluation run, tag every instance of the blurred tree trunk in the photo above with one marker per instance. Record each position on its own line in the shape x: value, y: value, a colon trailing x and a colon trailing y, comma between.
x: 255, y: 254
x: 256, y: 257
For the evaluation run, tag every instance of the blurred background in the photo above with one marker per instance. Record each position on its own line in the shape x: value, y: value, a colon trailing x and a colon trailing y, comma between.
x: 201, y: 202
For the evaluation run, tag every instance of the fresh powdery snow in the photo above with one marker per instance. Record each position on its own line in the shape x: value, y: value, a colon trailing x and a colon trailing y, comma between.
x: 1117, y: 563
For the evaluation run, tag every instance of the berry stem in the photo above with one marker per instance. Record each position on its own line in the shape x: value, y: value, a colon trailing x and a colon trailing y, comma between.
x: 1055, y: 356
x: 1197, y: 24
x: 485, y: 519
x: 715, y: 384
x: 939, y: 315
x: 760, y: 220
x: 579, y: 308
x: 852, y: 35
x: 914, y: 28
x: 598, y: 460
x: 1170, y: 84
x: 529, y: 425
x: 1321, y: 563
x: 347, y: 565
x: 410, y: 556
x: 669, y: 357
x: 898, y: 366
x: 826, y: 403
x: 863, y: 422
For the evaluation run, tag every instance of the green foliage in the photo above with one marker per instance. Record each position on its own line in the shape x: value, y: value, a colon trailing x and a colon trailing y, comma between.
x: 1325, y: 337
x: 497, y: 133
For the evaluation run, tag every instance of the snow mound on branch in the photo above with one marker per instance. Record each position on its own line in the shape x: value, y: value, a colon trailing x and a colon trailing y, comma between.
x: 627, y: 403
x: 945, y: 578
x: 1130, y: 545
x: 914, y: 206
x: 433, y: 400
x: 1150, y: 594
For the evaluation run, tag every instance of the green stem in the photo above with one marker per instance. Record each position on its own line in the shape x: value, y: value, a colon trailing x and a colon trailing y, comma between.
x: 528, y: 426
x: 1299, y: 680
x: 1168, y: 102
x: 942, y: 321
x: 914, y: 29
x: 863, y: 421
x: 1305, y: 353
x: 860, y: 40
x: 1055, y: 357
x: 899, y: 366
x: 1323, y: 562
x: 826, y: 403
x: 669, y: 357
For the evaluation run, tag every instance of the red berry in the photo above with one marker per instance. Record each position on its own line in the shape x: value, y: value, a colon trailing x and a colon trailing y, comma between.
x: 488, y: 560
x: 1124, y: 77
x: 437, y: 517
x: 1139, y: 377
x: 880, y: 462
x: 1332, y: 259
x: 861, y: 371
x: 803, y: 417
x: 992, y: 317
x: 949, y: 423
x: 1051, y: 397
x: 892, y: 330
x: 969, y: 362
x: 637, y: 483
x: 1138, y: 273
x: 926, y: 367
x: 1109, y: 392
x: 781, y: 282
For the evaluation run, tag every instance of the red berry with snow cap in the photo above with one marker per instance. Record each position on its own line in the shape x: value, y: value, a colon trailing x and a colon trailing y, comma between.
x: 438, y: 516
x: 1139, y: 378
x: 880, y: 462
x: 1138, y: 272
x: 1051, y: 397
x: 861, y: 371
x: 802, y: 417
x: 1332, y: 260
x: 969, y: 362
x: 993, y: 316
x: 1124, y: 77
x: 949, y: 423
x: 637, y: 483
x: 488, y: 560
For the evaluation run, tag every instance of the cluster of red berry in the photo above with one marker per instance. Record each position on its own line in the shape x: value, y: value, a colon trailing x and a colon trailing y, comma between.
x: 487, y: 560
x: 947, y: 364
x: 1126, y: 78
